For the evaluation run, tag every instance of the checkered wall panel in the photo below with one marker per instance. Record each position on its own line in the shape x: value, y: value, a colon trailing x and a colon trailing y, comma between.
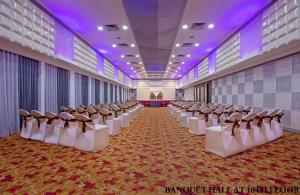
x: 272, y: 85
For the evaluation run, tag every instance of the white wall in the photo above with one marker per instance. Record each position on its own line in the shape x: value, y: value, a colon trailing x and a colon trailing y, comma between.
x: 144, y: 89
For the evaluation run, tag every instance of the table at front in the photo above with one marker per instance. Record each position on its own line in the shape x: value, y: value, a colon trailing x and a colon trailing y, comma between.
x: 155, y: 103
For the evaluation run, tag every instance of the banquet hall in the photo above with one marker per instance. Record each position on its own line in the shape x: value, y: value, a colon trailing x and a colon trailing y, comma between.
x: 149, y: 97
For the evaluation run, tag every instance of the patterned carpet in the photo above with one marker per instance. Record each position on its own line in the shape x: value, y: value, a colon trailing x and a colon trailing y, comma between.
x: 152, y: 153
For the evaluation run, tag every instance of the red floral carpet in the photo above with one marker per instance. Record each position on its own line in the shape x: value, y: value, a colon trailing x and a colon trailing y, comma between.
x: 152, y: 153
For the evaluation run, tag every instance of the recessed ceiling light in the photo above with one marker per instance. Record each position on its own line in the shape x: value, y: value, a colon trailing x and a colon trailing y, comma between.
x: 100, y: 28
x: 176, y: 71
x: 170, y: 62
x: 208, y: 49
x: 134, y: 71
x: 124, y: 27
x: 122, y: 56
x: 211, y: 26
x: 189, y: 55
x: 137, y: 55
x: 168, y: 68
x: 177, y: 45
x: 180, y: 75
x: 182, y: 62
x: 127, y: 63
x: 140, y: 62
x: 178, y: 68
x: 131, y: 68
x: 132, y: 45
x: 173, y: 56
x: 185, y: 26
x: 196, y: 44
x: 114, y: 45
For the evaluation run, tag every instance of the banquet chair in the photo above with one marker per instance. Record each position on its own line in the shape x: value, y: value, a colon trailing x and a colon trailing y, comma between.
x: 246, y: 110
x: 114, y: 124
x: 245, y: 131
x: 198, y: 126
x: 68, y: 130
x: 72, y: 111
x: 39, y: 126
x: 91, y: 136
x: 27, y: 125
x: 216, y: 116
x: 53, y: 127
x: 184, y: 117
x: 81, y: 110
x: 276, y: 123
x: 117, y: 111
x: 94, y: 115
x: 256, y: 126
x: 222, y: 140
x: 267, y: 127
x: 125, y: 119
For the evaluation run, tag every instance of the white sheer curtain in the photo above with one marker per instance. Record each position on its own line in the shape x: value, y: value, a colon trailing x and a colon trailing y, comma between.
x: 51, y: 103
x: 9, y: 101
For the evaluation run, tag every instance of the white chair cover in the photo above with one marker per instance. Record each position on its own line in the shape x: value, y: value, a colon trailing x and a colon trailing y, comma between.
x: 39, y: 126
x: 245, y: 131
x: 222, y: 140
x: 68, y: 130
x: 27, y: 125
x: 91, y: 136
x: 258, y: 132
x: 54, y: 125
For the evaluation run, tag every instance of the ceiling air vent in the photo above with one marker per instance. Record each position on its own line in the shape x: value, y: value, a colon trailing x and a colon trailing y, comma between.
x: 187, y: 45
x: 112, y: 27
x: 175, y: 62
x: 180, y: 55
x: 129, y: 56
x: 197, y: 26
x: 133, y: 62
x: 123, y: 45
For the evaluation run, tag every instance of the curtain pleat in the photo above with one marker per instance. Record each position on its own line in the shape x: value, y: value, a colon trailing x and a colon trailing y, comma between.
x: 9, y: 103
x: 78, y: 89
x: 111, y: 93
x: 105, y: 88
x: 116, y: 93
x: 51, y: 103
x: 92, y: 91
x: 63, y: 76
x: 28, y: 84
x: 97, y: 91
x: 85, y: 90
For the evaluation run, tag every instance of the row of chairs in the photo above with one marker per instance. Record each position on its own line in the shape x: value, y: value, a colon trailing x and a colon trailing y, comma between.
x: 86, y: 128
x: 229, y: 129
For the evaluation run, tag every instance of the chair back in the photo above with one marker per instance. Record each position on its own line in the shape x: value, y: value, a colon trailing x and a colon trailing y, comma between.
x: 24, y: 113
x: 233, y: 122
x: 248, y: 119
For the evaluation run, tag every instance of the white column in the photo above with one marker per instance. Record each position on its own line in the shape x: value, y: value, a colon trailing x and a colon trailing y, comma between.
x: 42, y: 87
x: 72, y: 89
x: 90, y: 91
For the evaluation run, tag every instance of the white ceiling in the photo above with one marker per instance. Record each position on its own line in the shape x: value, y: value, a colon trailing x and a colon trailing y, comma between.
x: 84, y: 16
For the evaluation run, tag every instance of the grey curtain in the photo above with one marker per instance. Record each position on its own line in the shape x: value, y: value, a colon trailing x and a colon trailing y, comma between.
x: 63, y: 76
x: 85, y: 90
x: 9, y: 102
x: 78, y: 89
x: 51, y: 102
x: 97, y: 91
x: 105, y: 88
x: 93, y: 91
x: 81, y: 90
x: 120, y: 93
x: 111, y: 93
x: 28, y: 83
x: 116, y: 93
